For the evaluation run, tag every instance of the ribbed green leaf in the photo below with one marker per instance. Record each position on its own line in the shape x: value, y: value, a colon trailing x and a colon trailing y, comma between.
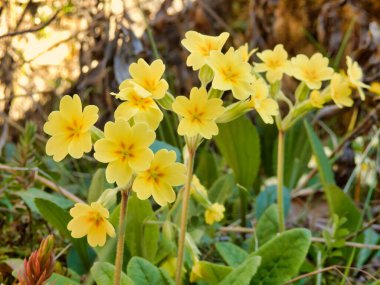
x: 104, y: 272
x: 231, y: 253
x: 243, y: 274
x: 268, y: 225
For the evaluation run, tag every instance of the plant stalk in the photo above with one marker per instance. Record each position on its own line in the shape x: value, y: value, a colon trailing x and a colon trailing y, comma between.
x: 185, y: 206
x: 280, y: 180
x: 120, y: 238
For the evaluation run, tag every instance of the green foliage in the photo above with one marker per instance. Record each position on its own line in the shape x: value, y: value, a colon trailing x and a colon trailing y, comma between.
x: 141, y: 238
x: 142, y: 272
x: 268, y: 197
x: 335, y: 238
x: 103, y: 273
x: 98, y: 185
x: 213, y: 273
x: 33, y: 193
x: 57, y: 279
x: 243, y: 274
x: 281, y: 257
x: 341, y: 205
x: 324, y: 166
x: 222, y: 189
x: 268, y: 225
x: 231, y: 253
x: 239, y: 143
x: 206, y: 167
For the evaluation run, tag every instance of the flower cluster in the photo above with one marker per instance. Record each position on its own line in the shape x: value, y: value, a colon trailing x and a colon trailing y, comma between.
x: 125, y: 144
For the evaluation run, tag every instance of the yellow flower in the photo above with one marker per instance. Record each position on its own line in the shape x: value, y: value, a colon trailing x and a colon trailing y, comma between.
x: 214, y: 213
x: 375, y: 88
x: 312, y: 70
x: 125, y: 149
x: 245, y: 53
x: 200, y: 47
x: 170, y: 265
x: 274, y: 62
x: 91, y: 221
x: 146, y: 80
x: 355, y: 75
x: 70, y: 128
x: 231, y: 73
x: 340, y: 91
x: 196, y: 272
x: 316, y: 99
x: 143, y: 110
x: 260, y: 101
x: 158, y: 180
x: 196, y: 186
x: 199, y: 113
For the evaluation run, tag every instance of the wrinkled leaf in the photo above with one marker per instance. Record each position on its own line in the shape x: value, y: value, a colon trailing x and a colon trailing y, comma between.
x: 231, y: 253
x: 213, y: 273
x: 142, y: 272
x: 103, y: 273
x: 268, y: 225
x: 282, y: 257
x: 243, y: 274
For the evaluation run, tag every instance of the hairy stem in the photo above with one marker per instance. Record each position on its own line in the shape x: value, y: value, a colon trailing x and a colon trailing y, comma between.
x: 185, y: 206
x: 280, y: 180
x: 120, y: 238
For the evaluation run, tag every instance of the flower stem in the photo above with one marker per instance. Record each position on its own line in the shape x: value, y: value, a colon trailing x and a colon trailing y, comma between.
x: 120, y: 239
x: 185, y: 206
x: 280, y: 180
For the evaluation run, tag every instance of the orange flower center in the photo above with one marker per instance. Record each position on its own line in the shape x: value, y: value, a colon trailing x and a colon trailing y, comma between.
x: 75, y: 129
x: 125, y: 151
x: 229, y: 74
x: 95, y: 218
x: 196, y: 115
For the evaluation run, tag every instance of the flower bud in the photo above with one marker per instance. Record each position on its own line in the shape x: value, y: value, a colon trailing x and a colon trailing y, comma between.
x: 167, y: 101
x: 301, y: 92
x: 205, y: 75
x: 96, y: 134
x: 108, y: 197
x: 234, y: 111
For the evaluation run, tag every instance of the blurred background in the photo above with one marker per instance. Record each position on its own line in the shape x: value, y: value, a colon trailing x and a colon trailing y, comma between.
x: 52, y: 48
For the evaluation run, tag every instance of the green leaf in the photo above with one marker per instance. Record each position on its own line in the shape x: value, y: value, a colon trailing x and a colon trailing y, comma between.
x: 33, y: 193
x: 206, y: 169
x: 239, y: 143
x: 269, y: 197
x: 243, y: 274
x: 157, y: 145
x: 59, y: 218
x: 141, y: 238
x: 324, y: 167
x: 57, y: 279
x: 142, y: 272
x: 231, y: 253
x: 103, y: 274
x: 281, y: 257
x: 98, y: 185
x: 268, y: 225
x: 222, y: 189
x: 213, y: 273
x: 167, y: 280
x: 342, y: 205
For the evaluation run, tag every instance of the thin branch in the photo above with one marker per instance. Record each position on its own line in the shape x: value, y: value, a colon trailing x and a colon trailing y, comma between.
x: 34, y: 29
x: 52, y: 185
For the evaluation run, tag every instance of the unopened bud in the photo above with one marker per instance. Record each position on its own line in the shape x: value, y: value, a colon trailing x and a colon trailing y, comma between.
x: 205, y: 75
x: 96, y: 134
x: 108, y: 197
x: 167, y: 101
x: 234, y: 111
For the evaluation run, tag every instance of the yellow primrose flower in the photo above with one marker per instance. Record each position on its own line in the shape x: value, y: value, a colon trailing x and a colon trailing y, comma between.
x: 146, y: 80
x: 170, y: 265
x: 260, y: 101
x: 125, y: 149
x: 196, y: 272
x: 196, y: 186
x: 312, y: 70
x: 200, y: 47
x: 198, y: 113
x: 231, y: 73
x: 158, y: 180
x: 245, y: 53
x: 70, y: 128
x: 214, y: 213
x: 340, y: 91
x: 355, y: 75
x: 375, y: 88
x: 91, y: 221
x: 316, y: 99
x: 274, y: 62
x: 143, y: 110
